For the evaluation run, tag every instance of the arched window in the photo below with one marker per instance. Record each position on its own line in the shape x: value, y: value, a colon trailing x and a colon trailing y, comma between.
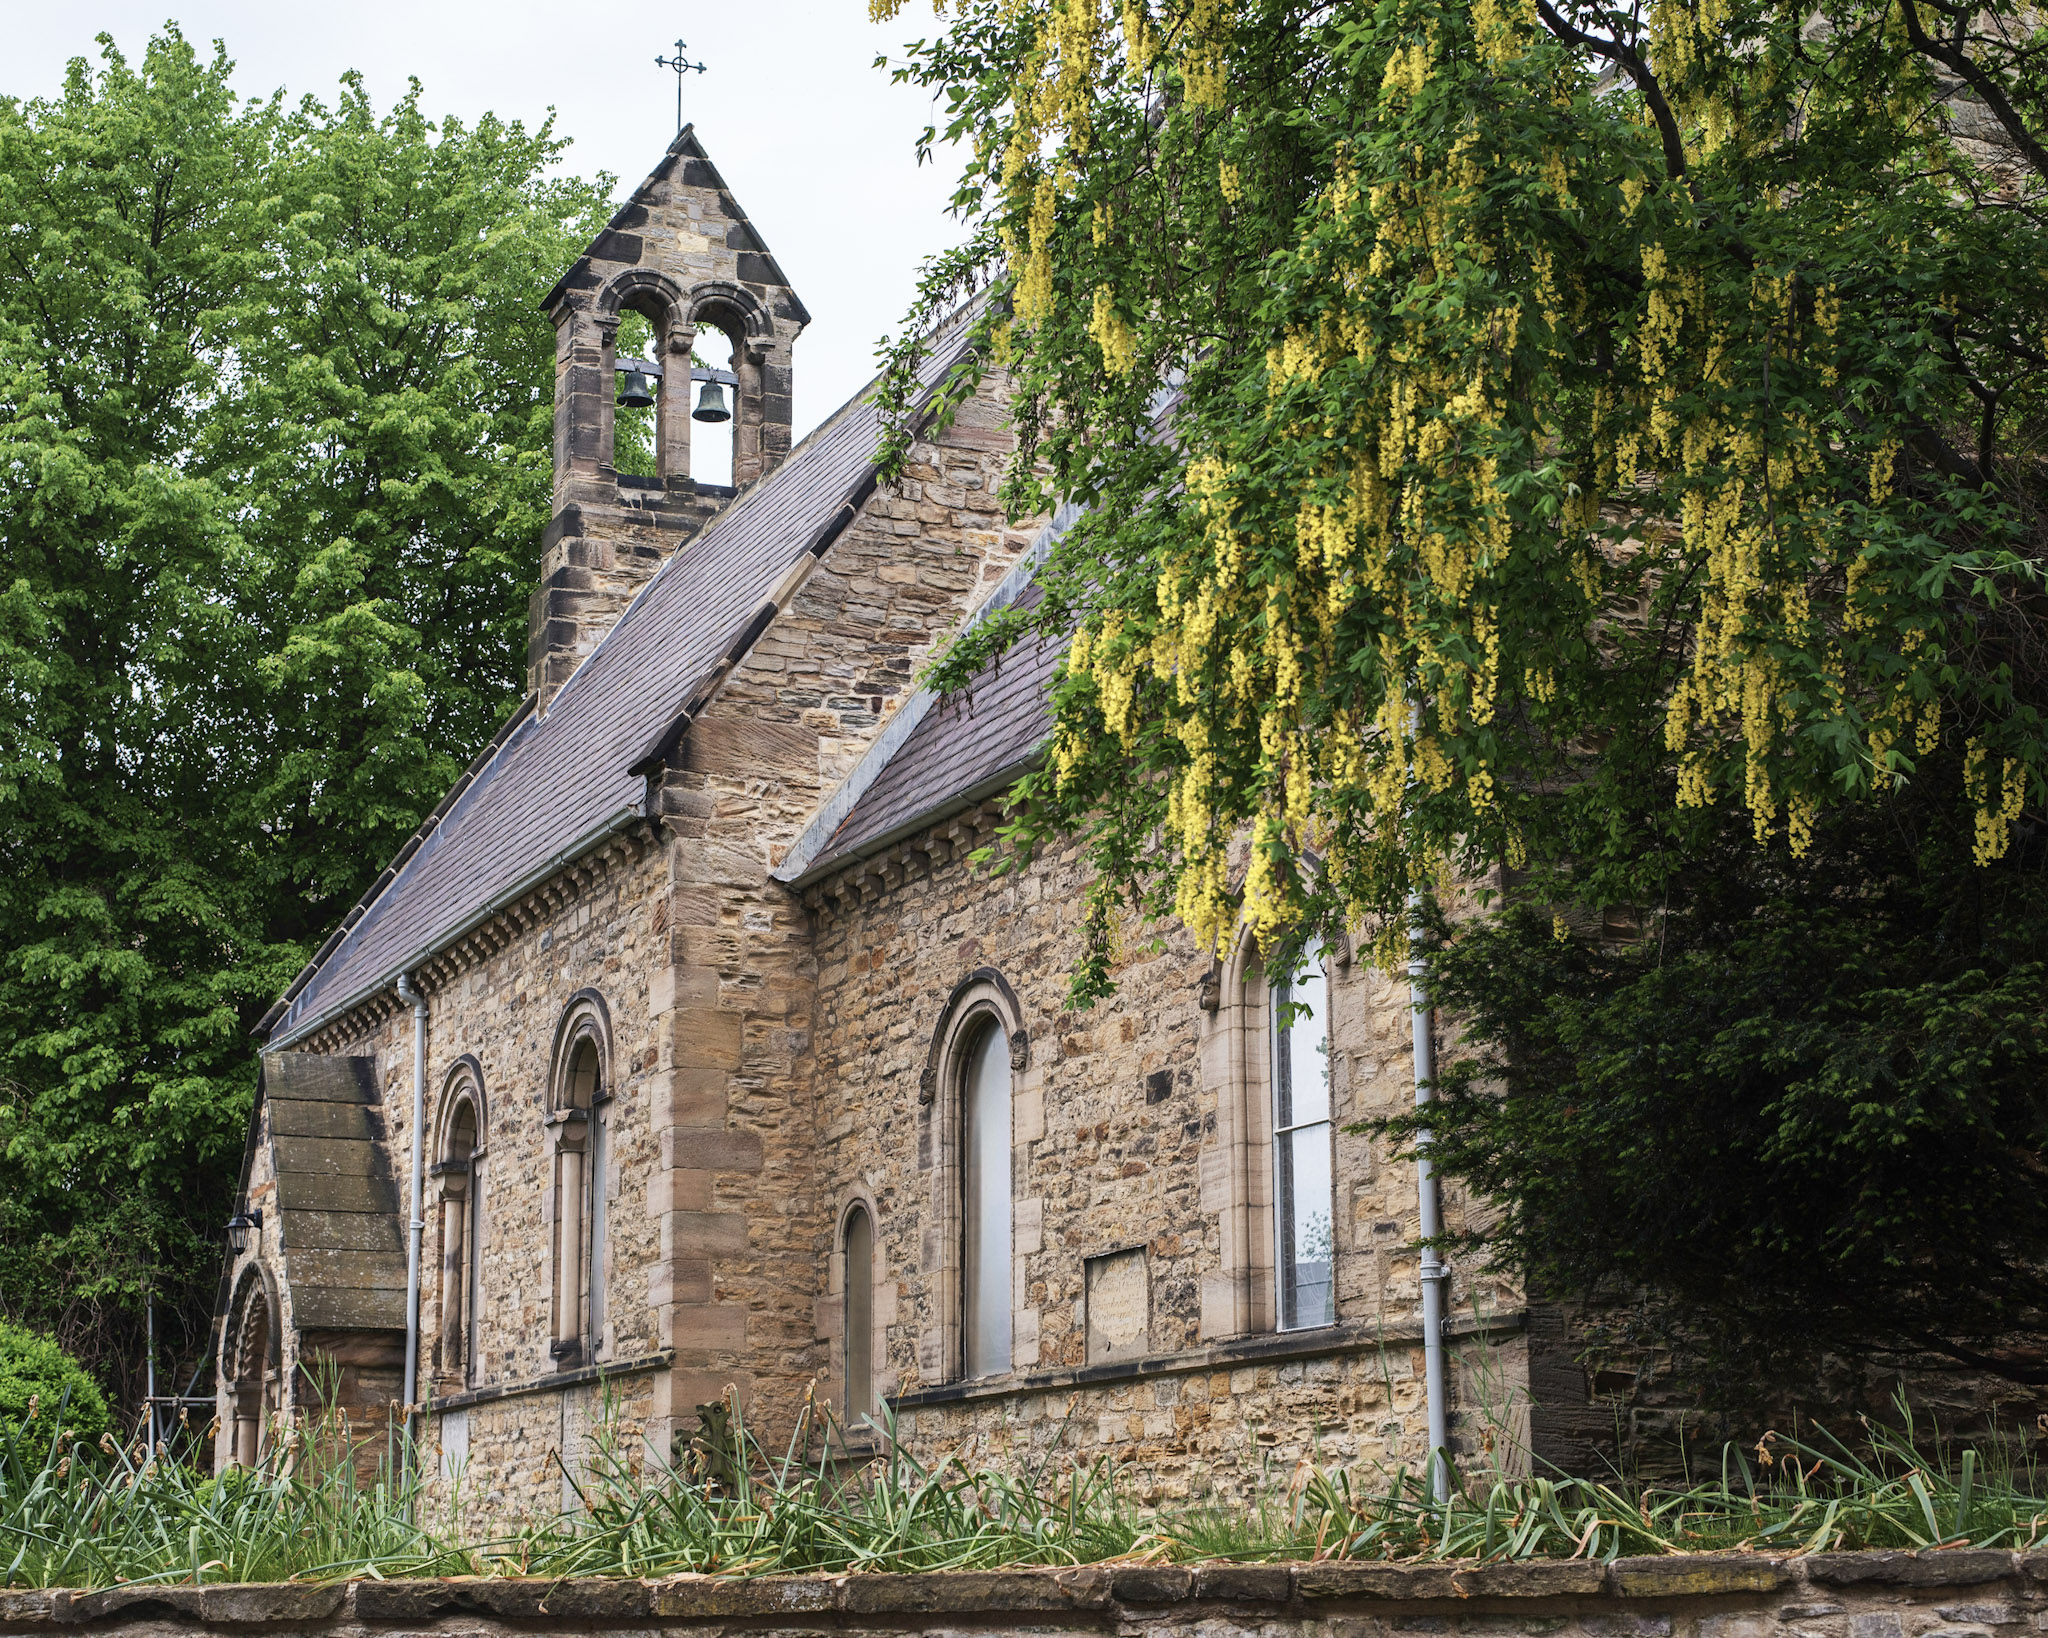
x: 1303, y: 1214
x: 978, y: 1099
x: 458, y: 1176
x: 579, y: 1121
x: 857, y: 1245
x: 985, y: 1201
x: 711, y: 441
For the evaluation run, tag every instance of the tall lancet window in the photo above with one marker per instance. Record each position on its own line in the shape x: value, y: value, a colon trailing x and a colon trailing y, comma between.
x: 1303, y: 1218
x: 580, y: 1124
x: 859, y: 1247
x: 455, y: 1173
x: 985, y: 1107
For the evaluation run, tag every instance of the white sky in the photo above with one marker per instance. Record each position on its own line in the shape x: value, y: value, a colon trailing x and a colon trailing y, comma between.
x: 817, y: 146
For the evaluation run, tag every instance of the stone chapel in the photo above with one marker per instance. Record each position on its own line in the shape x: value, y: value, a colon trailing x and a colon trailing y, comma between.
x: 722, y: 1066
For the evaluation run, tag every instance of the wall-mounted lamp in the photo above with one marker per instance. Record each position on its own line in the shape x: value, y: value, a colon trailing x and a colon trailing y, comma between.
x: 243, y: 1229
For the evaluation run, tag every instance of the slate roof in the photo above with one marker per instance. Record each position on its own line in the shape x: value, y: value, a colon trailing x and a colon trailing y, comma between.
x: 949, y: 752
x: 337, y: 1218
x: 559, y: 783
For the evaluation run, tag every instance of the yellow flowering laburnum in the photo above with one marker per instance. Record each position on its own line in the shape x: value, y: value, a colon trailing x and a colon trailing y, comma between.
x: 1575, y: 442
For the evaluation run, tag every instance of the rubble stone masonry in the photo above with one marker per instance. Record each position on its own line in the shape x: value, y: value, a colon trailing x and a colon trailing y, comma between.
x: 1137, y: 1127
x: 1958, y: 1594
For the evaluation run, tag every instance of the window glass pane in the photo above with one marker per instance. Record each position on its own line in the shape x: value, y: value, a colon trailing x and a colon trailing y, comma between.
x: 470, y: 1373
x: 1302, y: 1183
x: 860, y: 1316
x: 1307, y: 1295
x: 599, y: 1161
x: 985, y: 1102
x: 1301, y: 1061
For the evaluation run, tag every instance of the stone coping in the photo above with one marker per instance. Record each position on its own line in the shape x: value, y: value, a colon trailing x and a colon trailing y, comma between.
x: 1092, y: 1596
x: 554, y: 1382
x: 1268, y: 1348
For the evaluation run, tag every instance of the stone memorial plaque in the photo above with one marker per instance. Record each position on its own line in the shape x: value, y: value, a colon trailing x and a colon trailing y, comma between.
x: 1119, y: 1306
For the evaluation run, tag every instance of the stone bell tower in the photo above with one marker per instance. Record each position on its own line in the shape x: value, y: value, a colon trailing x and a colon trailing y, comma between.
x: 682, y: 253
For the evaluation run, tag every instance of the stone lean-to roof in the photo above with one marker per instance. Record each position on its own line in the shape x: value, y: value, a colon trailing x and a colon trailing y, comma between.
x: 942, y: 754
x: 336, y: 1207
x: 559, y: 783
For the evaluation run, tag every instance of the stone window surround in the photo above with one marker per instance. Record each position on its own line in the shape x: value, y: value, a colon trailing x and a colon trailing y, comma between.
x: 1235, y: 1054
x: 881, y: 1309
x: 459, y: 1187
x: 982, y: 994
x: 568, y: 1123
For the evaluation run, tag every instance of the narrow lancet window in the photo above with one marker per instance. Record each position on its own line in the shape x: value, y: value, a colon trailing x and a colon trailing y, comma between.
x: 985, y: 1102
x: 1303, y: 1237
x: 580, y: 1205
x: 859, y: 1316
x: 455, y: 1174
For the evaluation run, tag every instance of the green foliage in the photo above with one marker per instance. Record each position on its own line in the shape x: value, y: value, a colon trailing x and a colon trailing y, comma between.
x: 1804, y: 1114
x: 1606, y: 444
x: 1566, y: 401
x: 44, y: 1392
x: 275, y: 406
x: 72, y: 1515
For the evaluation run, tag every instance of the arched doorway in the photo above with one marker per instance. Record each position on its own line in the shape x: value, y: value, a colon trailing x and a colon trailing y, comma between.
x: 251, y: 1352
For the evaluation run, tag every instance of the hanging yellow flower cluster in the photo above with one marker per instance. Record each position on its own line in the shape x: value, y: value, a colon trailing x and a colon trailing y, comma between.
x: 1503, y: 402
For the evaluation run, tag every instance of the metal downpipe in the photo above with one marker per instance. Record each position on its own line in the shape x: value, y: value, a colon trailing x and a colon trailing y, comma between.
x: 411, y: 997
x: 1435, y: 1274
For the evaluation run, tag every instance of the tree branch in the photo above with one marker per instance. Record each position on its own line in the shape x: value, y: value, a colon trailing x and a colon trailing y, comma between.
x: 1957, y: 61
x: 1631, y: 64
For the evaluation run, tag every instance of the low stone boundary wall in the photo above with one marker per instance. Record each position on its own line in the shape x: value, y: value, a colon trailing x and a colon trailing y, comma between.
x: 1960, y: 1594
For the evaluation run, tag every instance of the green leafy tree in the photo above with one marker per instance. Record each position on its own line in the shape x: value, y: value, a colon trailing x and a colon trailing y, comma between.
x: 275, y: 401
x: 1800, y: 1118
x: 1606, y: 444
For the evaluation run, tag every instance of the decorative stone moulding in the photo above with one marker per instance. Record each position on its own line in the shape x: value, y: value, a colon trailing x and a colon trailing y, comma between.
x: 865, y: 880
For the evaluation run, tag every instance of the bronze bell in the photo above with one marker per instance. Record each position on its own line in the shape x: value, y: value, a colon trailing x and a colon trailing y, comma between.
x: 711, y: 404
x: 635, y: 390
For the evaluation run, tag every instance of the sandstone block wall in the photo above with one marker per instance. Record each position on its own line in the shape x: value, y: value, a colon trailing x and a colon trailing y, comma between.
x: 595, y: 929
x: 741, y: 1199
x: 704, y: 965
x: 1131, y: 1132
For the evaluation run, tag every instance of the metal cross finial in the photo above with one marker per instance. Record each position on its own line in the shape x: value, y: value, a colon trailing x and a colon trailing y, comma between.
x: 681, y: 67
